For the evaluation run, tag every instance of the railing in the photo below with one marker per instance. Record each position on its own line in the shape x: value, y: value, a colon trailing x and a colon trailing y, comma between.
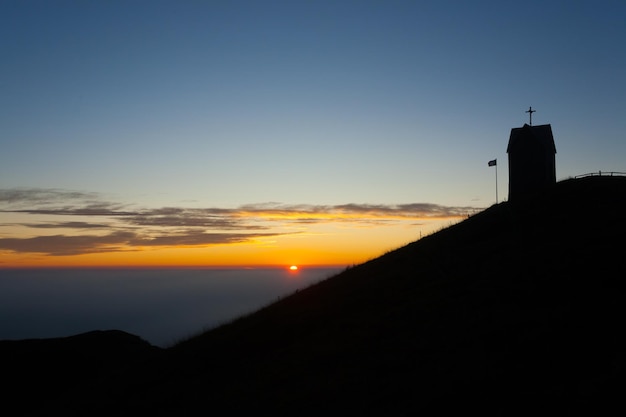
x: 600, y: 173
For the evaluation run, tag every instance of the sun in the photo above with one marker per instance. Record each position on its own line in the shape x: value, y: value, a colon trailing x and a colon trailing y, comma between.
x: 293, y: 268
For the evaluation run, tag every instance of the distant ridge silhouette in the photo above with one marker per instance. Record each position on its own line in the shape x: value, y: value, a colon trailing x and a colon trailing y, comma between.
x: 517, y: 310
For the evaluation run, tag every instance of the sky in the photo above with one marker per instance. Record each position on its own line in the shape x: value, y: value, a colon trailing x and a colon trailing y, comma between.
x: 257, y: 133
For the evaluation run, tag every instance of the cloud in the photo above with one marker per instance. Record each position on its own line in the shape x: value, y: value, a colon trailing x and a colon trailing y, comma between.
x: 91, y: 210
x: 18, y: 196
x: 194, y: 238
x: 58, y: 202
x: 135, y: 228
x: 210, y: 218
x: 352, y: 210
x: 58, y: 245
x: 63, y: 245
x: 66, y: 225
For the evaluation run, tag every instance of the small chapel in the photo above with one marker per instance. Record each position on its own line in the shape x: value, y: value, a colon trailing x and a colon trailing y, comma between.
x: 531, y: 153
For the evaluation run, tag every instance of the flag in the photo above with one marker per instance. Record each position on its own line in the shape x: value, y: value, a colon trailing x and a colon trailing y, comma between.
x: 492, y: 162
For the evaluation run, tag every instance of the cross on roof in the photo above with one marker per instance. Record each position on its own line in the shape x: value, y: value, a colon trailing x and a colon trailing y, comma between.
x: 531, y: 111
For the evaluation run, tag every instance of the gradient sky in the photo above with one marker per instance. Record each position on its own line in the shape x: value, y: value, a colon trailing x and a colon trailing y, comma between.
x: 278, y: 132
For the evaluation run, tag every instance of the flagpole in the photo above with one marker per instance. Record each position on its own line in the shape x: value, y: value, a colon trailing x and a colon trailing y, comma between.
x: 496, y: 181
x: 494, y: 162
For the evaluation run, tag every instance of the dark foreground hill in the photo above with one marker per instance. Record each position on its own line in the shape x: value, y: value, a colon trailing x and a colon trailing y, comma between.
x: 517, y: 310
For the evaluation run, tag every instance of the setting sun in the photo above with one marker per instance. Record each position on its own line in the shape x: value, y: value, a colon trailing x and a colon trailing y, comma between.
x: 293, y: 268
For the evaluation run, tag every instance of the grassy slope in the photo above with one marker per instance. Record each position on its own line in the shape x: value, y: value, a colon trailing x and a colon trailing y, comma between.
x: 517, y: 309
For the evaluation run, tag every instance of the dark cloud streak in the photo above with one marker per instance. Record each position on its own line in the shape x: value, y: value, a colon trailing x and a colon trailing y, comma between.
x: 66, y: 225
x: 412, y: 210
x: 42, y: 196
x: 63, y: 245
x: 59, y: 245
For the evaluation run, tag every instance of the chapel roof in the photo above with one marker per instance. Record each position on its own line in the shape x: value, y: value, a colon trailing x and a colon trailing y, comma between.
x: 540, y: 133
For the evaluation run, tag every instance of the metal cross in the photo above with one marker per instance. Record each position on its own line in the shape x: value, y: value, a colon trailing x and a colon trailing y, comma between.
x: 531, y: 111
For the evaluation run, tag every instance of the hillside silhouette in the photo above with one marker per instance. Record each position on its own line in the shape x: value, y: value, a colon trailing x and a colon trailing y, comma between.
x: 518, y: 309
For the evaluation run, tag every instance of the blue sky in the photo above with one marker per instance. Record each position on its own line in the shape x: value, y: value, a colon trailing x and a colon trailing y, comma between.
x: 227, y: 103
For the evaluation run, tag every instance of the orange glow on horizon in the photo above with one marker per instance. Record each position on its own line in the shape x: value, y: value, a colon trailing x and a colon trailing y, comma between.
x: 318, y: 245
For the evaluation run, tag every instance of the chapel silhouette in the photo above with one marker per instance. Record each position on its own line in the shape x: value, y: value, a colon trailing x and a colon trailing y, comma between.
x: 531, y: 153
